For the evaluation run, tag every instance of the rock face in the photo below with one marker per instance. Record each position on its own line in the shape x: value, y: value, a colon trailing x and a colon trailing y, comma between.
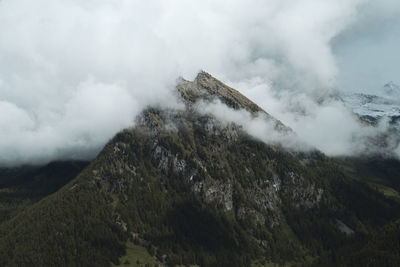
x: 206, y: 87
x: 263, y: 187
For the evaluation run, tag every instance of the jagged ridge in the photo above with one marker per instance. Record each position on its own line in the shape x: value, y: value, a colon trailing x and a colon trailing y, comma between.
x: 207, y: 88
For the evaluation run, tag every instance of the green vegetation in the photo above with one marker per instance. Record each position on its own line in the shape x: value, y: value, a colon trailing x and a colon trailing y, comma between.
x: 266, y: 263
x: 63, y: 229
x: 24, y: 186
x: 386, y: 190
x: 137, y: 256
x: 381, y: 174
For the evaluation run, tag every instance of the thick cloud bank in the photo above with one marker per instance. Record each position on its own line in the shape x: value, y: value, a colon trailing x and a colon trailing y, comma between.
x: 72, y: 73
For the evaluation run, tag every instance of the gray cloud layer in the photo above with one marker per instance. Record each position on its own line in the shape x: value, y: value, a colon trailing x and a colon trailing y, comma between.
x: 72, y: 73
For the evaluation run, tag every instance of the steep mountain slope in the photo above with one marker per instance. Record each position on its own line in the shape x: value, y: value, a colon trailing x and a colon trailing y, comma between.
x: 196, y: 190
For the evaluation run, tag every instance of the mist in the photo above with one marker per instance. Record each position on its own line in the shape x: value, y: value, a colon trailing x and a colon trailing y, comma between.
x: 74, y: 73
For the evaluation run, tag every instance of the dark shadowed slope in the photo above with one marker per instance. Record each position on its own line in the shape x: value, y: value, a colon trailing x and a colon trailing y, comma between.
x: 23, y: 186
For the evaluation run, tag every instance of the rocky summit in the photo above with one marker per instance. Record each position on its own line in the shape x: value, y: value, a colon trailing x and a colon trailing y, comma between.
x: 182, y: 188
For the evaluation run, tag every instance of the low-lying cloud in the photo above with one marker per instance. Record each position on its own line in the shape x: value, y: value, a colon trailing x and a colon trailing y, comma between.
x: 259, y: 125
x: 72, y: 73
x: 330, y: 128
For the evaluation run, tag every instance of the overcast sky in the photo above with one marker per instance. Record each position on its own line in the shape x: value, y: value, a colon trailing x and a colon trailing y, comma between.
x: 73, y: 73
x: 368, y: 51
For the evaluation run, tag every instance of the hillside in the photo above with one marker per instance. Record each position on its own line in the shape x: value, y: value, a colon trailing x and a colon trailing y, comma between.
x: 21, y: 187
x: 193, y: 190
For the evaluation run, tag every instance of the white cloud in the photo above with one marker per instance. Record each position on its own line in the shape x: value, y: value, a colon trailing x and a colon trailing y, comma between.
x: 74, y: 72
x: 326, y: 124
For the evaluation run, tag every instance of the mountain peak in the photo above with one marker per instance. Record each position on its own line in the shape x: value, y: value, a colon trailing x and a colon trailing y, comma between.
x: 207, y: 88
x: 391, y: 89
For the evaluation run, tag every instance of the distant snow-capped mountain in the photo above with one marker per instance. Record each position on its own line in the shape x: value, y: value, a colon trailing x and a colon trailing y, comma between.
x: 384, y: 106
x: 371, y: 108
x: 391, y: 89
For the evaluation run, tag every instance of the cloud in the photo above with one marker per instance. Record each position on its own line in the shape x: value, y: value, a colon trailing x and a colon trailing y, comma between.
x: 92, y: 114
x: 259, y: 126
x: 72, y: 73
x: 330, y: 128
x: 327, y: 124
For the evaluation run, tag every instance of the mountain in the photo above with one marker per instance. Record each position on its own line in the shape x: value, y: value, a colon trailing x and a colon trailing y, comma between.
x: 391, y: 89
x: 181, y: 187
x: 372, y: 108
x: 382, y: 111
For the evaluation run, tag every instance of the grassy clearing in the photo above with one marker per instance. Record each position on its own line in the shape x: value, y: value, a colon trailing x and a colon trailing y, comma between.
x: 264, y: 263
x: 386, y: 190
x: 137, y: 256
